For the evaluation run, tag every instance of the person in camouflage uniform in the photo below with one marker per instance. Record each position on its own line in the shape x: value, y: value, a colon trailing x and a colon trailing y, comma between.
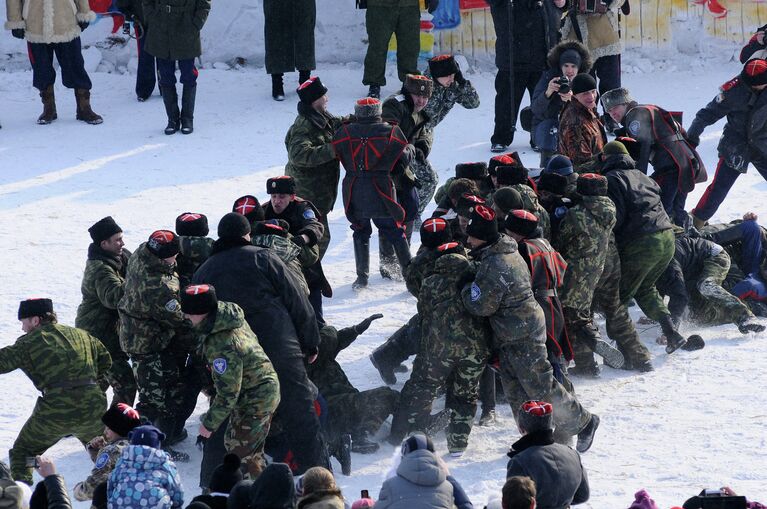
x: 311, y: 159
x: 102, y: 288
x: 154, y: 332
x: 475, y: 173
x: 194, y: 244
x: 450, y: 87
x: 66, y: 365
x: 454, y: 345
x: 247, y: 388
x: 274, y: 235
x: 119, y: 420
x: 516, y: 177
x: 350, y: 411
x: 501, y: 291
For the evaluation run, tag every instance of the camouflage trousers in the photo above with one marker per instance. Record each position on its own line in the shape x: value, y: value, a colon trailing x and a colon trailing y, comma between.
x: 60, y: 413
x: 643, y: 261
x: 160, y: 385
x: 428, y: 180
x: 709, y: 302
x: 526, y: 373
x: 120, y: 375
x: 360, y: 412
x: 249, y: 424
x: 432, y: 370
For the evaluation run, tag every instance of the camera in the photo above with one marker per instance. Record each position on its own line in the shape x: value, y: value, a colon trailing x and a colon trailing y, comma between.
x: 31, y: 462
x: 564, y: 85
x: 126, y: 28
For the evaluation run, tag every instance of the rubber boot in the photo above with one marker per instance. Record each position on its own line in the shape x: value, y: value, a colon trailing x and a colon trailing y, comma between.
x: 49, y: 106
x: 278, y: 91
x: 402, y: 250
x: 673, y: 338
x: 84, y: 111
x: 170, y: 99
x: 187, y: 109
x: 362, y: 261
x: 387, y: 260
x: 303, y: 76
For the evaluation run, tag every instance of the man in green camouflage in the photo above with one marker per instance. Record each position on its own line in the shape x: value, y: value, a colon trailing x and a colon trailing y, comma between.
x: 102, y: 288
x: 154, y: 332
x: 478, y: 183
x: 273, y: 235
x: 502, y: 292
x: 454, y: 346
x: 193, y: 243
x: 450, y: 87
x: 516, y: 176
x: 247, y: 388
x: 311, y: 159
x: 66, y: 365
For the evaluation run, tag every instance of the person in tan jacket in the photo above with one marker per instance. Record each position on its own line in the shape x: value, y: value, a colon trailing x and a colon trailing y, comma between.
x: 53, y: 27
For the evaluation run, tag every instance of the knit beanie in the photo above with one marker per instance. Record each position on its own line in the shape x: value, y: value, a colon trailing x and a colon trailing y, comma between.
x: 199, y: 299
x: 249, y: 207
x: 226, y: 475
x: 642, y: 500
x: 507, y: 199
x: 570, y: 56
x: 521, y: 222
x: 616, y: 97
x: 163, y: 244
x: 192, y: 224
x: 511, y: 175
x: 418, y: 84
x: 146, y: 435
x: 284, y: 184
x: 553, y: 183
x: 121, y: 419
x: 615, y: 148
x: 592, y: 184
x: 434, y: 232
x: 367, y: 107
x: 103, y: 229
x: 466, y: 204
x: 274, y: 488
x: 415, y: 442
x: 442, y: 65
x: 10, y: 495
x: 482, y: 224
x: 311, y: 90
x: 583, y: 83
x: 233, y: 226
x: 559, y: 164
x: 472, y: 171
x: 754, y: 73
x: 536, y: 416
x: 35, y: 307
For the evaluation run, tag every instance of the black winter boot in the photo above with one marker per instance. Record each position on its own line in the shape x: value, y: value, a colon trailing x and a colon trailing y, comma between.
x: 170, y: 99
x: 401, y: 345
x: 303, y: 76
x: 278, y: 92
x: 374, y: 91
x: 187, y: 109
x: 387, y: 260
x: 673, y: 338
x: 362, y: 261
x: 586, y: 435
x: 402, y: 250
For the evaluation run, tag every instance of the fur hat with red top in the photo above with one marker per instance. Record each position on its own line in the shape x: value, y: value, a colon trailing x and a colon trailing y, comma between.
x: 521, y: 222
x: 502, y: 160
x: 466, y: 204
x: 435, y: 231
x: 311, y: 90
x: 163, y: 244
x: 199, y: 299
x: 482, y: 224
x: 191, y: 224
x: 367, y: 107
x: 284, y: 184
x: 249, y: 207
x: 511, y: 175
x: 754, y: 73
x: 592, y: 184
x: 271, y: 227
x: 471, y: 171
x: 121, y: 419
x: 450, y: 248
x: 442, y: 65
x: 535, y: 416
x: 418, y: 84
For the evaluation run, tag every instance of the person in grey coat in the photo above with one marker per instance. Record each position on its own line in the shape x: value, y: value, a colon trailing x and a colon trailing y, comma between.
x: 559, y: 476
x: 421, y: 480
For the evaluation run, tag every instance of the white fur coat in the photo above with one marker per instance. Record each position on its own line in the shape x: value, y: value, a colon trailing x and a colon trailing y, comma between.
x: 48, y: 21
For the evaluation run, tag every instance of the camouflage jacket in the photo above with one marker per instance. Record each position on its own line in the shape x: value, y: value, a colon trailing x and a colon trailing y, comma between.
x: 311, y: 158
x: 102, y: 288
x: 446, y: 324
x: 326, y: 373
x: 442, y: 199
x: 288, y: 252
x: 105, y: 462
x: 418, y: 268
x: 533, y: 205
x: 54, y: 354
x: 443, y: 99
x: 237, y: 362
x: 501, y: 291
x: 581, y: 134
x: 150, y: 313
x: 194, y: 252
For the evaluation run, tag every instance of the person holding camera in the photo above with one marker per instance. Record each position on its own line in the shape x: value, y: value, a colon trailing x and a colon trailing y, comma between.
x: 553, y: 91
x: 756, y: 47
x: 146, y: 73
x: 53, y: 27
x: 450, y: 87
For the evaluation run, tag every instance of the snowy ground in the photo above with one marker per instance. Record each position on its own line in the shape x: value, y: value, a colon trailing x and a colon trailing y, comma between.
x: 696, y: 422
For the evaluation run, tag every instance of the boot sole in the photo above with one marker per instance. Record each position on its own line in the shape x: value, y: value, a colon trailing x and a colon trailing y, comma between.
x: 611, y: 356
x: 45, y: 121
x: 586, y: 444
x: 390, y: 381
x: 671, y: 348
x: 753, y: 327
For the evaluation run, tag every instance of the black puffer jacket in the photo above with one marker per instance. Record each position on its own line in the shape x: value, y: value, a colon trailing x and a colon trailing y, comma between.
x: 275, y: 307
x: 638, y: 208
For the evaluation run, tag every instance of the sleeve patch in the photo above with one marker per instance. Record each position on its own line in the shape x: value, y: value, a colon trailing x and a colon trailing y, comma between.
x: 634, y: 127
x: 173, y: 306
x: 102, y: 460
x: 476, y: 293
x: 219, y: 365
x: 309, y: 214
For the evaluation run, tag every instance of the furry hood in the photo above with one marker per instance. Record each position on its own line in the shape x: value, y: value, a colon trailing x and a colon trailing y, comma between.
x: 556, y: 52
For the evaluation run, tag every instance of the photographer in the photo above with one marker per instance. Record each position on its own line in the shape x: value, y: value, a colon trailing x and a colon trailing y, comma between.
x: 566, y: 60
x: 146, y: 74
x: 51, y: 491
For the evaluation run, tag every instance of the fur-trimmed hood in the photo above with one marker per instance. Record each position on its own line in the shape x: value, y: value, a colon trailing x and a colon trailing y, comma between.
x: 556, y: 52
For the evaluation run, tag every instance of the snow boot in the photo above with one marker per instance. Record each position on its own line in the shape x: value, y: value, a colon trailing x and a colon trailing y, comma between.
x: 170, y: 99
x: 749, y: 324
x: 497, y: 148
x: 278, y: 91
x: 610, y: 355
x: 84, y: 111
x: 586, y: 369
x: 303, y: 76
x: 586, y: 435
x: 694, y: 342
x: 388, y: 357
x: 362, y: 444
x: 342, y: 452
x: 402, y: 250
x: 387, y: 260
x: 49, y: 106
x: 362, y: 261
x: 176, y: 456
x: 374, y: 91
x: 188, y: 96
x: 487, y: 418
x: 673, y: 338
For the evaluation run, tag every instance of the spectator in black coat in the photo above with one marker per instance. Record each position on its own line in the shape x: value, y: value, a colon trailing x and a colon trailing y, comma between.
x: 282, y: 318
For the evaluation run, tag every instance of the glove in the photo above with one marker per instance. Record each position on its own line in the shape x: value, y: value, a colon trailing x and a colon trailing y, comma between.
x: 365, y: 324
x: 299, y: 240
x: 459, y: 78
x: 200, y: 443
x: 433, y: 5
x: 18, y: 33
x: 83, y: 25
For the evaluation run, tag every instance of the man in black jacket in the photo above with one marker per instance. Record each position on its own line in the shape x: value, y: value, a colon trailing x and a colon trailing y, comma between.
x: 282, y: 318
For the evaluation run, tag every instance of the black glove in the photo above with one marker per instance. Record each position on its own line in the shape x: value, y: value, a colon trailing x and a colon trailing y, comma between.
x: 299, y: 240
x: 433, y: 4
x: 18, y: 33
x: 200, y: 442
x: 459, y: 78
x: 365, y: 324
x: 83, y: 25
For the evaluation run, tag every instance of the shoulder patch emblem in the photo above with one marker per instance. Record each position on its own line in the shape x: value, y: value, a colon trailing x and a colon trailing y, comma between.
x: 219, y: 365
x: 730, y: 84
x: 309, y: 214
x: 634, y: 127
x: 476, y: 293
x: 173, y: 306
x: 102, y: 460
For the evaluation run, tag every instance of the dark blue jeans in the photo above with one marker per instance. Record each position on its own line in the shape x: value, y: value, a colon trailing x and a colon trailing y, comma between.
x: 70, y: 57
x: 146, y: 74
x: 167, y: 69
